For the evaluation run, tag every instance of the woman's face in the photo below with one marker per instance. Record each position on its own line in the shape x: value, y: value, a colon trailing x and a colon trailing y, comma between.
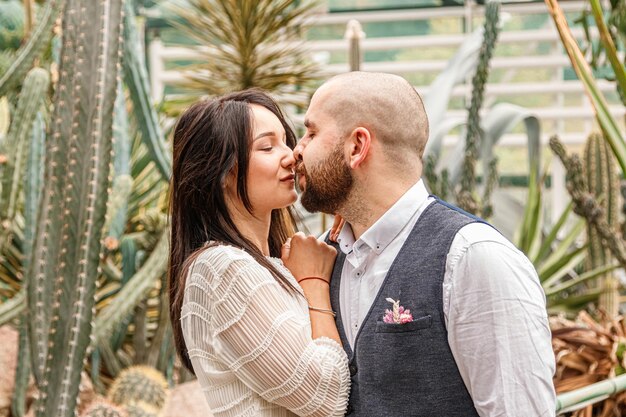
x: 270, y: 181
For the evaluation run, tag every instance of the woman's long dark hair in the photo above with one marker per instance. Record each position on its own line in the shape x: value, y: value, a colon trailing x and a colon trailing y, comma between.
x: 211, y: 139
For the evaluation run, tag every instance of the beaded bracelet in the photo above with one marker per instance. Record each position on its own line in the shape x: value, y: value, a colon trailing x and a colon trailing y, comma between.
x: 321, y: 310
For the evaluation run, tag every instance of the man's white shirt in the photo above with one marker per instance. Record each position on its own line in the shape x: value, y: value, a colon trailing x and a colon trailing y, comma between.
x: 493, y: 303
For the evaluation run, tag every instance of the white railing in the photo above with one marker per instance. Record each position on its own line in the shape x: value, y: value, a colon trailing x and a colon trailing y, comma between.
x: 555, y: 113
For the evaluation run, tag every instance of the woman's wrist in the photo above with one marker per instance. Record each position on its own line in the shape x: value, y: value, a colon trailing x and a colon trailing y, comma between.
x: 301, y: 280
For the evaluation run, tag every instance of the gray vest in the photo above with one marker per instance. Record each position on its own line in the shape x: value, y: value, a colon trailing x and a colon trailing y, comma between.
x: 408, y: 369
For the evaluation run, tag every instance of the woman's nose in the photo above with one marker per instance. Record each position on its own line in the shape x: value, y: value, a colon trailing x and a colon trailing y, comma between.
x: 289, y: 161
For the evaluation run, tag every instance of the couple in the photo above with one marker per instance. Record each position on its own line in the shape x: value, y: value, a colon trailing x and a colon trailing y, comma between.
x: 410, y: 308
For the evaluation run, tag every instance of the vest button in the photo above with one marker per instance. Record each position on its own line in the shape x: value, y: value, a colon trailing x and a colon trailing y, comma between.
x: 353, y: 370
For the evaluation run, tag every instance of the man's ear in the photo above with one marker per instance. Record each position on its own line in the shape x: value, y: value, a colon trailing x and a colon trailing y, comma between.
x: 360, y: 141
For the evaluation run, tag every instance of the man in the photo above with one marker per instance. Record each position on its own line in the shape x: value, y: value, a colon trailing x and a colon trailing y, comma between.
x: 439, y: 314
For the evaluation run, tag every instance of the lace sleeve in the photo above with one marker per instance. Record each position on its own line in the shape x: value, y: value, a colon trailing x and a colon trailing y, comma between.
x: 263, y: 335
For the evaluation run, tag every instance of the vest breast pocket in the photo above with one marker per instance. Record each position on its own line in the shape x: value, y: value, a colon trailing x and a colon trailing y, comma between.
x: 417, y: 324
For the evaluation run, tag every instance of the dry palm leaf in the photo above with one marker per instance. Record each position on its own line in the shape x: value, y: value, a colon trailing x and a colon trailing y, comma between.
x: 589, y: 351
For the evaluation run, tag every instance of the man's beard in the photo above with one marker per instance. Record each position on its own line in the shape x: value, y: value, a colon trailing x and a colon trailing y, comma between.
x: 328, y: 184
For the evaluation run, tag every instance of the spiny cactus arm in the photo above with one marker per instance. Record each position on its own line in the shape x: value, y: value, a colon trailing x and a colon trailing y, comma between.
x: 474, y: 130
x: 33, y: 184
x: 36, y: 43
x: 44, y: 258
x: 91, y: 52
x: 122, y: 182
x: 136, y: 78
x: 599, y: 174
x: 585, y: 205
x: 128, y: 247
x: 603, y: 182
x: 117, y: 210
x: 491, y: 181
x: 22, y: 372
x: 19, y: 138
x: 133, y: 292
x: 121, y: 134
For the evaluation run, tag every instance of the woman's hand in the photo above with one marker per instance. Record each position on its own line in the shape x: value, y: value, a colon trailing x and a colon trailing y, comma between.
x: 305, y: 256
x: 333, y: 234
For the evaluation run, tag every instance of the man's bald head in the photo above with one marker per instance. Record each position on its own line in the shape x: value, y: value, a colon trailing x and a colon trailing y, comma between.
x: 385, y: 104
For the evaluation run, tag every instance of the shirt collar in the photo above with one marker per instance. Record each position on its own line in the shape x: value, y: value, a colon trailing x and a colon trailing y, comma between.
x: 390, y: 224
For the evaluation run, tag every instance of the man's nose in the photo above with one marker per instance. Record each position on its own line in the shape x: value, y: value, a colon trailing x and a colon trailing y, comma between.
x: 297, y: 151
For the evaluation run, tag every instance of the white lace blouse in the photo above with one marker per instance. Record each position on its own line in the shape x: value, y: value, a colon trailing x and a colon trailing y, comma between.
x: 250, y: 344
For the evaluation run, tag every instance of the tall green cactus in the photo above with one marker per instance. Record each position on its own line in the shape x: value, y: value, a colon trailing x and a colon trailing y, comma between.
x: 66, y: 252
x: 467, y: 198
x: 603, y: 182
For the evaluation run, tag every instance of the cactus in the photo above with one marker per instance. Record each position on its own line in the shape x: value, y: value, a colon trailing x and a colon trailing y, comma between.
x: 64, y: 262
x: 139, y: 385
x: 122, y: 182
x: 142, y: 409
x: 133, y: 292
x: 16, y: 147
x: 137, y: 81
x: 11, y: 24
x: 37, y: 42
x: 103, y: 408
x: 466, y: 196
x: 585, y: 205
x: 22, y: 372
x: 603, y: 182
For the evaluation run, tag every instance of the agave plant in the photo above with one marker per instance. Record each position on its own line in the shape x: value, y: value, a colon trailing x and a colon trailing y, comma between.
x: 250, y: 43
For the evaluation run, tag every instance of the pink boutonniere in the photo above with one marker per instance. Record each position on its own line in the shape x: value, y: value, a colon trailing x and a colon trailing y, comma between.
x: 398, y: 315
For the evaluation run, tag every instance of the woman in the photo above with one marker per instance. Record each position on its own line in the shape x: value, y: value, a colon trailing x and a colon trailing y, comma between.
x: 261, y: 338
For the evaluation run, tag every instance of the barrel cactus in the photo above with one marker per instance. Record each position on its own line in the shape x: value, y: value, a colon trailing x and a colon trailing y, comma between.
x: 138, y: 386
x: 142, y: 409
x: 103, y: 408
